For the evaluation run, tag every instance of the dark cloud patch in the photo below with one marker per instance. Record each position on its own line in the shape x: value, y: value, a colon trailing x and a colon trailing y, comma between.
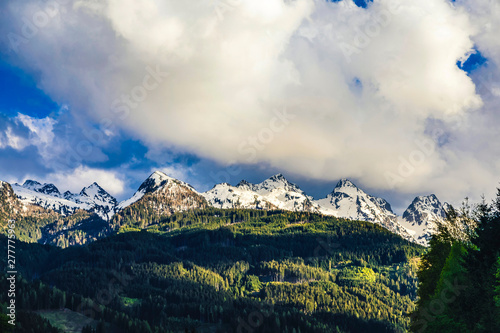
x: 16, y: 165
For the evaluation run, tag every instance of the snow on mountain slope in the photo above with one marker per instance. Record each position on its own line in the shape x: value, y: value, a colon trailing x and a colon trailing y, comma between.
x: 155, y: 181
x: 421, y: 216
x: 92, y: 198
x: 275, y: 192
x: 49, y: 189
x: 346, y: 201
x: 227, y: 196
x: 97, y: 200
x: 161, y: 195
x: 157, y: 197
x: 350, y: 202
x: 59, y: 205
x: 276, y: 182
x: 9, y: 203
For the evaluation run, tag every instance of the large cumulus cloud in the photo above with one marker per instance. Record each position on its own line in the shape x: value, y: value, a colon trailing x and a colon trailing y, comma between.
x: 318, y: 89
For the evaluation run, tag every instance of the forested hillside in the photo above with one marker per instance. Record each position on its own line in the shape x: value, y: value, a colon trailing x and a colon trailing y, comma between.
x: 228, y: 271
x: 460, y: 274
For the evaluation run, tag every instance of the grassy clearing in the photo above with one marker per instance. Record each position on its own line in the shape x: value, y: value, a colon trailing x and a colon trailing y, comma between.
x: 68, y: 321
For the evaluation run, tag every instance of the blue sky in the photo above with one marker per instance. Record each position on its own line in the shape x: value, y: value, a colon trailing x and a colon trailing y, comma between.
x: 321, y: 91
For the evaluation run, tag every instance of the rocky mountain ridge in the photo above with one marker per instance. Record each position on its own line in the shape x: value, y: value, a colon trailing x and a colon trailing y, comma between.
x: 92, y: 198
x: 160, y: 195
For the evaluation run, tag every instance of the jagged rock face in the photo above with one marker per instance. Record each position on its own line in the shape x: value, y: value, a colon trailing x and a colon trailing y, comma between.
x: 275, y: 192
x: 276, y: 182
x: 158, y: 196
x: 13, y: 208
x: 10, y: 206
x: 350, y: 202
x: 346, y: 201
x: 421, y: 216
x: 93, y: 199
x: 98, y: 201
x: 383, y: 204
x: 49, y: 189
x: 424, y: 209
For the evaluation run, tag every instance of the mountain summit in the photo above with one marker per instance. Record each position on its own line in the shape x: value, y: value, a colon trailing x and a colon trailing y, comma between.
x: 276, y: 182
x: 92, y: 198
x: 422, y: 215
x: 156, y: 181
x: 158, y: 196
x: 49, y: 189
x: 350, y: 202
x: 345, y: 183
x: 275, y: 192
x: 161, y: 195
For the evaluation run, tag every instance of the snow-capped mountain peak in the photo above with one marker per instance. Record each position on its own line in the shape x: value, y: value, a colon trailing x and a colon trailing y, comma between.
x: 276, y: 182
x: 92, y: 198
x: 278, y: 178
x: 347, y: 187
x: 421, y: 216
x: 94, y: 190
x: 276, y: 192
x: 345, y: 183
x: 155, y: 182
x: 348, y: 201
x: 423, y: 208
x: 32, y: 185
x: 96, y: 193
x: 49, y: 189
x: 161, y: 195
x: 160, y: 176
x: 95, y: 199
x: 244, y: 185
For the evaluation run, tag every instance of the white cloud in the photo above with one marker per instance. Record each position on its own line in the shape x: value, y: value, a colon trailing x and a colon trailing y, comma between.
x: 75, y: 180
x: 41, y: 133
x: 362, y: 84
x: 12, y: 140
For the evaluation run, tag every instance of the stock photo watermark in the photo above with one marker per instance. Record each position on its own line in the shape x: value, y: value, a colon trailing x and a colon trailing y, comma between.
x: 416, y: 158
x: 105, y: 296
x: 369, y: 31
x: 428, y: 146
x: 252, y: 145
x: 255, y: 319
x: 327, y: 246
x: 437, y: 306
x: 122, y: 108
x: 32, y: 25
x: 11, y: 271
x: 221, y: 7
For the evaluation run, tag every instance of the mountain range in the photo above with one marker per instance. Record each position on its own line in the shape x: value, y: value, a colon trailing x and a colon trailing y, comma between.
x: 160, y: 195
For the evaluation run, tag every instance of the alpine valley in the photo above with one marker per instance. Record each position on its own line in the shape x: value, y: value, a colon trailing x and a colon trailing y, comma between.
x: 68, y: 218
x: 262, y: 257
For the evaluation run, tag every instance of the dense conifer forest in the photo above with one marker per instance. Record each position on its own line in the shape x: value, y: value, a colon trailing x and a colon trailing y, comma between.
x: 460, y: 274
x: 215, y: 270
